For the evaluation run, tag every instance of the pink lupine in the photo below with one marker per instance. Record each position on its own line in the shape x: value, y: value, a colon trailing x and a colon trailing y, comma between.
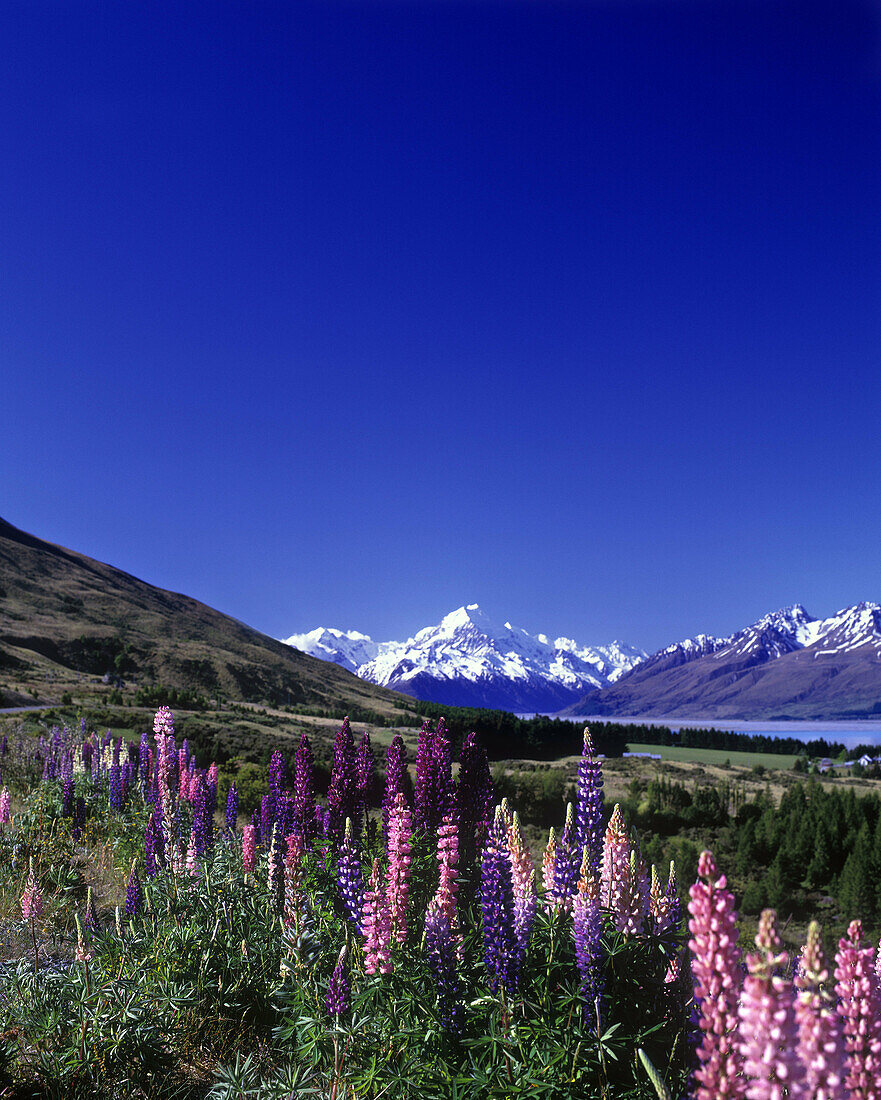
x: 615, y: 861
x: 5, y: 806
x: 400, y: 834
x: 523, y: 881
x: 547, y: 871
x: 376, y: 924
x: 292, y: 879
x: 717, y: 974
x: 189, y: 785
x: 249, y: 849
x: 860, y: 1006
x: 821, y: 1040
x: 448, y: 881
x: 31, y: 899
x: 182, y: 768
x: 768, y: 1028
x: 660, y: 905
x: 192, y: 861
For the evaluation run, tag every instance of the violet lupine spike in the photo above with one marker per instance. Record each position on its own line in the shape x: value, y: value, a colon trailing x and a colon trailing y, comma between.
x: 589, y: 803
x: 232, y: 809
x: 339, y: 989
x: 423, y: 796
x: 365, y: 777
x: 203, y: 823
x: 134, y: 895
x: 400, y: 840
x: 587, y: 930
x: 304, y: 791
x: 441, y: 948
x: 115, y: 788
x: 475, y: 797
x: 567, y: 864
x: 395, y: 767
x: 342, y: 794
x: 859, y: 1003
x: 820, y: 1036
x: 497, y: 906
x: 716, y: 965
x: 151, y: 861
x: 267, y: 818
x: 277, y: 775
x: 442, y: 780
x: 349, y: 879
x: 67, y: 793
x: 376, y: 924
x: 768, y: 1029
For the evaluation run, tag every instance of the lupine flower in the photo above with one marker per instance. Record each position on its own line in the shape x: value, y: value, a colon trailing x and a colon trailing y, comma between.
x: 587, y: 929
x: 304, y: 790
x: 718, y: 977
x: 232, y: 808
x: 91, y: 917
x: 5, y: 805
x: 395, y: 769
x: 351, y: 884
x: 342, y: 794
x: 442, y: 781
x: 277, y: 774
x: 589, y: 803
x: 859, y: 1003
x: 267, y: 817
x: 339, y: 989
x: 821, y: 1041
x: 448, y: 885
x: 248, y: 849
x: 257, y: 826
x: 442, y: 950
x: 365, y: 777
x: 203, y: 824
x: 423, y: 797
x: 183, y: 767
x: 497, y: 905
x: 115, y: 788
x: 768, y: 1028
x: 134, y: 895
x: 376, y: 924
x: 82, y: 954
x: 190, y: 784
x: 523, y: 886
x: 567, y: 863
x: 400, y: 834
x: 292, y: 884
x: 275, y: 868
x: 548, y: 862
x: 191, y: 863
x: 32, y: 898
x: 67, y: 793
x: 615, y: 861
x: 151, y: 862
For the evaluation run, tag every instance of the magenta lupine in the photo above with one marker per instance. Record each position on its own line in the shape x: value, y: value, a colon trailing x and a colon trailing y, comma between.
x: 292, y: 882
x: 342, y: 794
x: 349, y: 879
x: 339, y: 988
x: 820, y: 1036
x: 497, y: 908
x: 32, y: 898
x: 395, y: 771
x: 249, y: 849
x: 448, y: 874
x: 183, y: 767
x: 423, y: 795
x: 134, y: 895
x: 589, y: 803
x: 400, y: 839
x: 716, y: 965
x: 768, y: 1029
x: 859, y: 1003
x: 587, y: 930
x: 5, y: 806
x: 376, y: 924
x: 442, y: 780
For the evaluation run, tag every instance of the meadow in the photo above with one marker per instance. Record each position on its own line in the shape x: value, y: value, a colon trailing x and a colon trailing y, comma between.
x: 769, y: 760
x: 392, y: 937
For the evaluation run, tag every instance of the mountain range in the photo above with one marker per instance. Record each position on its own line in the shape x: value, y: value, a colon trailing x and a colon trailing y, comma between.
x: 61, y: 611
x: 786, y: 665
x: 468, y: 660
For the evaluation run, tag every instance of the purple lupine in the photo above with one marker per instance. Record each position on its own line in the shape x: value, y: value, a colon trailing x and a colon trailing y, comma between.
x: 277, y: 774
x: 116, y: 800
x: 342, y: 794
x: 587, y: 928
x: 67, y: 792
x: 286, y: 813
x: 134, y: 895
x: 339, y: 988
x: 567, y: 863
x: 497, y: 906
x: 589, y: 804
x: 304, y: 790
x: 267, y: 817
x: 350, y: 879
x: 232, y: 809
x: 424, y: 793
x: 203, y: 823
x: 395, y: 768
x: 365, y: 777
x: 151, y: 862
x: 79, y: 818
x: 474, y: 796
x: 442, y: 779
x: 441, y: 948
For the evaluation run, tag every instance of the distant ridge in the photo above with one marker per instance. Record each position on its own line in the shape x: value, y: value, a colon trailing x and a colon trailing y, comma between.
x: 787, y: 665
x: 61, y: 608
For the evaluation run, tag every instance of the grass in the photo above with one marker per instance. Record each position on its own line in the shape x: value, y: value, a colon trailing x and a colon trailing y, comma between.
x: 770, y: 760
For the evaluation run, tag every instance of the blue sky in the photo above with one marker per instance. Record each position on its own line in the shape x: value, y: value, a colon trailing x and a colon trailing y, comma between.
x: 350, y: 313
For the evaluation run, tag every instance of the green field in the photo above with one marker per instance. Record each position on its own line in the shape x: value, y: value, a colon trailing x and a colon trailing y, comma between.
x: 768, y: 760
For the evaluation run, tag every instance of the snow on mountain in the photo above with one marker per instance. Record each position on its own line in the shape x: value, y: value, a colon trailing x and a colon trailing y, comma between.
x: 467, y: 658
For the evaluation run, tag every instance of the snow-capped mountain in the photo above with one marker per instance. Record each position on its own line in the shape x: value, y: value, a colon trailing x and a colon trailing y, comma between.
x: 785, y: 665
x: 468, y: 660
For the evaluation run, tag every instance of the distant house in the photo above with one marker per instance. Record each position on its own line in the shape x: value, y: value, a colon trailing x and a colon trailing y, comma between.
x: 866, y: 760
x: 825, y: 764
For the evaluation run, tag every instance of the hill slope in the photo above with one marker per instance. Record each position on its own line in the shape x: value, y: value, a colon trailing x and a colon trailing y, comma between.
x: 58, y: 607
